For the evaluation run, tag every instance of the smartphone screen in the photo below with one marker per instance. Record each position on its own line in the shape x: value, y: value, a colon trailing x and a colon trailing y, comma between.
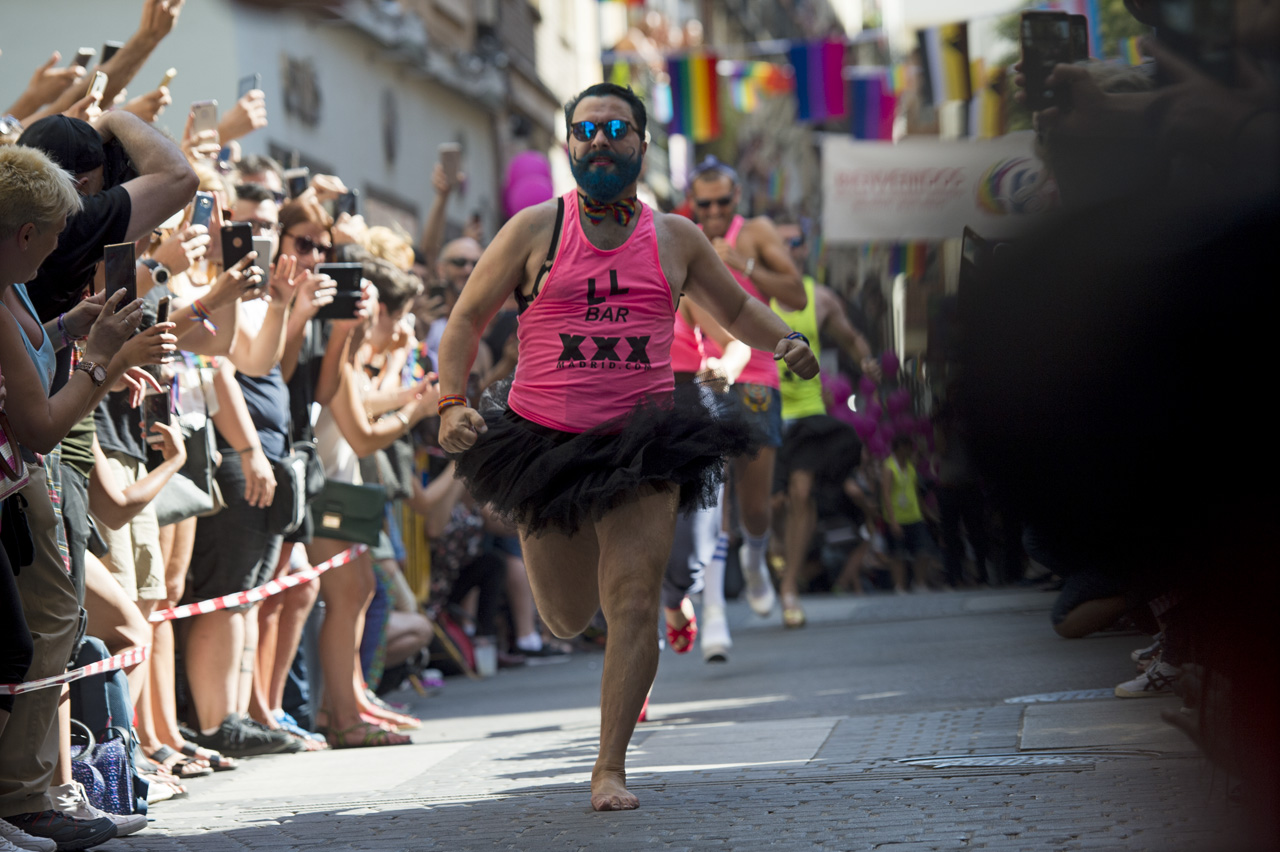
x: 348, y: 203
x: 156, y: 408
x: 237, y: 241
x: 451, y: 161
x: 1079, y: 38
x: 99, y: 85
x: 84, y: 56
x: 297, y: 180
x: 206, y: 116
x: 1046, y: 42
x: 248, y: 84
x: 109, y: 50
x: 120, y: 272
x: 346, y: 277
x: 202, y: 209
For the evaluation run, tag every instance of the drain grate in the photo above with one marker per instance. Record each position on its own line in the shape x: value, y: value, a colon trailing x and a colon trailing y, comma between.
x: 1072, y: 695
x: 1062, y: 758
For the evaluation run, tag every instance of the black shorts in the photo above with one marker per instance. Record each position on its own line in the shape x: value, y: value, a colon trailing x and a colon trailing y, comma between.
x: 235, y: 550
x: 822, y: 445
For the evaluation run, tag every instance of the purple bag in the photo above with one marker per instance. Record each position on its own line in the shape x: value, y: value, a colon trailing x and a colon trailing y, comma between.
x: 104, y: 768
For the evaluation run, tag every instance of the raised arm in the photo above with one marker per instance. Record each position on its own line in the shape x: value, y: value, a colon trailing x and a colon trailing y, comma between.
x: 836, y: 325
x: 165, y: 182
x: 774, y: 274
x: 116, y: 506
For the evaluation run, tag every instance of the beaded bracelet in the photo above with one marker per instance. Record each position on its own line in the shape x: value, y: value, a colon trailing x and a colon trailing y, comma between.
x: 200, y: 315
x: 67, y: 339
x: 795, y: 335
x: 450, y: 401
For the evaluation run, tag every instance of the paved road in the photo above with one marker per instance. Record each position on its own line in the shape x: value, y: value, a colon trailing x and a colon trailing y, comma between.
x: 886, y: 724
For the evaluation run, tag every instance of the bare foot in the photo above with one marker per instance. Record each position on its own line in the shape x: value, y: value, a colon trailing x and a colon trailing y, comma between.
x: 609, y: 792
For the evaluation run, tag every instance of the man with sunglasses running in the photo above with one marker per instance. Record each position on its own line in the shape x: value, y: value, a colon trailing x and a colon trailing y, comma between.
x: 594, y: 451
x: 759, y: 260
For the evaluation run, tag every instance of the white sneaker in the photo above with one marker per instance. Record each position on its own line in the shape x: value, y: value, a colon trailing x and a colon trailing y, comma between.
x: 1157, y: 680
x: 714, y: 633
x: 72, y: 800
x: 760, y: 592
x: 14, y: 839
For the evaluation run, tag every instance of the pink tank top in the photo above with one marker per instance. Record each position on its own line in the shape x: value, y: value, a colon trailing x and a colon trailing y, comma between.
x: 597, y: 339
x: 686, y: 348
x: 761, y: 369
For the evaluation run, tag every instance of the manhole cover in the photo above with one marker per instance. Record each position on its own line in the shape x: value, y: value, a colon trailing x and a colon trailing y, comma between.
x: 1073, y: 695
x: 1073, y: 758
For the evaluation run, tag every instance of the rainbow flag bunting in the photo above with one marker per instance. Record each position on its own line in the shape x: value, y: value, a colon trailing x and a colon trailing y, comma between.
x: 752, y: 80
x: 873, y: 107
x: 908, y: 259
x: 819, y: 79
x: 1130, y: 51
x: 695, y: 96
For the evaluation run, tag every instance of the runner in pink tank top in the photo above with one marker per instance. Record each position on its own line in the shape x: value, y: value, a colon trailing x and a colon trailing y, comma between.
x: 589, y: 450
x: 596, y: 341
x: 759, y: 261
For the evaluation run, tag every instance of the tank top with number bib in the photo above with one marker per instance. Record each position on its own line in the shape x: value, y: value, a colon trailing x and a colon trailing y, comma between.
x: 596, y: 340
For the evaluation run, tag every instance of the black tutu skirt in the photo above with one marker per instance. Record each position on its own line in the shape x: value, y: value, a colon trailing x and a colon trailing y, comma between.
x: 543, y: 478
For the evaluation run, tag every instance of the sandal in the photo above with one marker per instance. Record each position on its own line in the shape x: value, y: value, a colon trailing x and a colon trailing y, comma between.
x: 370, y: 736
x: 681, y: 639
x: 792, y: 613
x: 181, y: 767
x: 217, y: 762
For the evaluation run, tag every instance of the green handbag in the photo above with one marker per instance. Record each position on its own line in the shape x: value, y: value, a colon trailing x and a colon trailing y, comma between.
x: 349, y: 512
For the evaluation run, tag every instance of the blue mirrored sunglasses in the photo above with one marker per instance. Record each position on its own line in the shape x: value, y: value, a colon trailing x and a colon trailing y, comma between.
x: 614, y: 129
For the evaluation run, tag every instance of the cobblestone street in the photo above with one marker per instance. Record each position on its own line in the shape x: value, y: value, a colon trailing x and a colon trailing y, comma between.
x: 933, y: 721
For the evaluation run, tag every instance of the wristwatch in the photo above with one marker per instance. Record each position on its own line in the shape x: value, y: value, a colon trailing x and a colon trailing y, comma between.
x: 96, y: 372
x: 160, y: 274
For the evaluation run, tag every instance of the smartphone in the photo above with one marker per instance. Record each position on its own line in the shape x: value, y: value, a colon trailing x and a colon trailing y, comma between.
x: 348, y: 203
x: 84, y: 56
x: 99, y: 85
x: 1046, y: 42
x: 206, y: 116
x: 297, y: 180
x: 162, y: 315
x: 109, y: 49
x: 168, y: 77
x: 1201, y: 32
x: 451, y: 161
x: 1079, y: 25
x: 437, y: 291
x: 263, y: 246
x: 248, y: 84
x: 347, y: 278
x: 156, y: 408
x: 120, y: 272
x: 237, y: 241
x: 202, y: 209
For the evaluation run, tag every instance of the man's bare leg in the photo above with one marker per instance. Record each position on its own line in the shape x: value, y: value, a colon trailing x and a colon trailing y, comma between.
x: 635, y: 542
x: 563, y: 576
x: 754, y: 480
x: 802, y: 519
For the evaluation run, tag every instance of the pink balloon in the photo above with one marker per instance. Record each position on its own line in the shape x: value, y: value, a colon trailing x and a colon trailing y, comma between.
x: 878, y: 447
x: 885, y: 430
x: 889, y: 363
x: 904, y: 424
x: 874, y: 411
x: 528, y: 182
x: 866, y: 386
x: 864, y: 426
x: 899, y: 401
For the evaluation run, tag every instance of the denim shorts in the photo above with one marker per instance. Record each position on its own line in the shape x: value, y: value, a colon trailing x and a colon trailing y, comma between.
x: 759, y: 406
x: 915, y: 540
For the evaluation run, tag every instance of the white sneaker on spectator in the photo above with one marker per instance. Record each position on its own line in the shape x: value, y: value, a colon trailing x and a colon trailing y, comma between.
x: 760, y: 592
x: 714, y: 635
x: 1142, y: 655
x: 72, y: 800
x: 1157, y: 680
x: 13, y: 838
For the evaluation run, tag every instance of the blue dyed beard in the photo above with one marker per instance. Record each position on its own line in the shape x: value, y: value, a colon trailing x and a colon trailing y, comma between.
x: 605, y: 185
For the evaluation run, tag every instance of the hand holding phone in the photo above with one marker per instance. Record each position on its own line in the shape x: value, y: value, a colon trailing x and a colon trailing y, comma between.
x: 84, y: 56
x: 237, y: 241
x: 109, y: 49
x: 297, y: 180
x: 346, y: 277
x: 120, y: 272
x: 157, y: 408
x: 204, y: 117
x: 98, y: 87
x: 451, y: 161
x: 202, y: 209
x: 248, y: 84
x: 1046, y: 42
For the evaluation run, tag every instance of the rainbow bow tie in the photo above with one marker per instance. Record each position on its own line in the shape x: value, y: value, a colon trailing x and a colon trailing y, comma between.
x: 622, y: 210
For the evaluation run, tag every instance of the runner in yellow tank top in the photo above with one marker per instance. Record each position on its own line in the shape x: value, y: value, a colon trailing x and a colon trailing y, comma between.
x: 904, y: 516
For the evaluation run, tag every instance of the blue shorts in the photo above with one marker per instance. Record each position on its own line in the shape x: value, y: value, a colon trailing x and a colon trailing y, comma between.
x: 915, y: 540
x: 760, y: 407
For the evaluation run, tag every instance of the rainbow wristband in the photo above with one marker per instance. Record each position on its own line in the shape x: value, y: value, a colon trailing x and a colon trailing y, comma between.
x: 450, y: 401
x: 200, y: 315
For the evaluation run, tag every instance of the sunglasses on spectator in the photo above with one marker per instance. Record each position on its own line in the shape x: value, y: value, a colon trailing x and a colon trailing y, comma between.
x: 614, y: 129
x: 279, y: 197
x: 705, y: 203
x: 460, y: 261
x: 306, y: 245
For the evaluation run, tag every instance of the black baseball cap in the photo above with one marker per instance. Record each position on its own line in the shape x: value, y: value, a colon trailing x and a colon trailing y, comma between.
x: 71, y: 143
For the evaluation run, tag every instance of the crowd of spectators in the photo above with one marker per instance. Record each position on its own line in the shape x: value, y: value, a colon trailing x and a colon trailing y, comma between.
x: 169, y: 460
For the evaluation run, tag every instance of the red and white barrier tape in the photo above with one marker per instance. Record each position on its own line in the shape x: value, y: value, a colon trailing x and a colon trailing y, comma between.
x: 274, y: 587
x: 119, y: 661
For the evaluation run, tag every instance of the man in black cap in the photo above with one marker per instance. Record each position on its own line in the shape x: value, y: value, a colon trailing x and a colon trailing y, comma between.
x: 131, y: 178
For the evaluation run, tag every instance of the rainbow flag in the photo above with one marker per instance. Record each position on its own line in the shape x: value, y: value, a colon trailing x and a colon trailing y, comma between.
x: 898, y: 78
x: 873, y: 108
x: 819, y: 79
x: 636, y: 3
x: 753, y: 80
x: 1088, y: 8
x: 917, y: 259
x: 695, y: 96
x: 1131, y: 51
